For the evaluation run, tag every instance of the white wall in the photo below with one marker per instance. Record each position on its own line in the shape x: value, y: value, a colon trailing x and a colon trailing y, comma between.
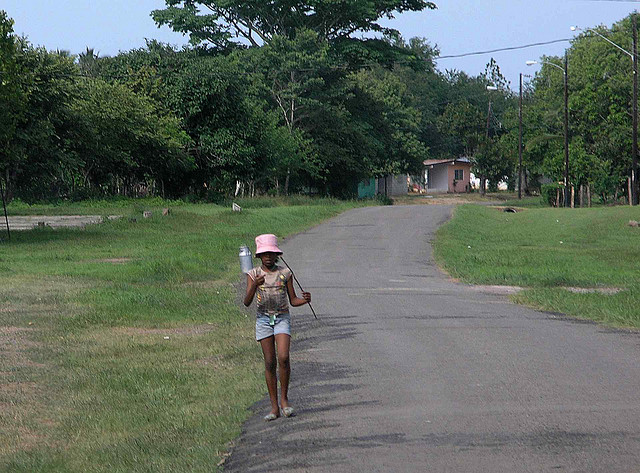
x: 475, y: 183
x: 439, y: 178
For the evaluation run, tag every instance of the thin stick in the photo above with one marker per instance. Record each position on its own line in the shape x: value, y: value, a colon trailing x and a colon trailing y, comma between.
x: 299, y: 285
x: 4, y: 205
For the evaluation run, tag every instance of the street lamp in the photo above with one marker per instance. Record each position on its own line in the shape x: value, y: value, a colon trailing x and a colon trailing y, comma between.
x: 591, y: 30
x: 565, y: 72
x: 635, y: 190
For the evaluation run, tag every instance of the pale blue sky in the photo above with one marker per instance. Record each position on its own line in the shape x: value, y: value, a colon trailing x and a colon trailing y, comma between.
x: 458, y: 26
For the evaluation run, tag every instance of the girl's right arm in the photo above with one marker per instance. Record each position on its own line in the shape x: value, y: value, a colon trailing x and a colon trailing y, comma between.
x: 252, y: 285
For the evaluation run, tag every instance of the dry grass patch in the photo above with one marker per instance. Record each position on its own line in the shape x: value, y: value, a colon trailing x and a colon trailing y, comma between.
x: 181, y: 330
x: 14, y: 345
x: 31, y: 306
x: 443, y: 199
x: 109, y: 260
x: 21, y: 397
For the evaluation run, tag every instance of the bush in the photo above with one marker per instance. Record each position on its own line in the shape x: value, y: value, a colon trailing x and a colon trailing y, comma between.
x: 384, y: 200
x: 548, y: 193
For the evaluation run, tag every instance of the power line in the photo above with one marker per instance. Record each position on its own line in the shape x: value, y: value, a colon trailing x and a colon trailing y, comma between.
x: 511, y: 48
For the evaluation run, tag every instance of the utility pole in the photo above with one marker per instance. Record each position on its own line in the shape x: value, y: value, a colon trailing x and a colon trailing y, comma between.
x: 483, y: 181
x: 488, y: 116
x: 520, y: 144
x: 567, y: 197
x: 634, y: 149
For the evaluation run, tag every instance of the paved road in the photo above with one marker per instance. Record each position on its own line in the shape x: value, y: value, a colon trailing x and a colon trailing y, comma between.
x: 409, y: 372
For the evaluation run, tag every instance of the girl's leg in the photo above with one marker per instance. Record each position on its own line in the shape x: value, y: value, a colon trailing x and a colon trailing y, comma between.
x: 284, y: 367
x: 269, y: 353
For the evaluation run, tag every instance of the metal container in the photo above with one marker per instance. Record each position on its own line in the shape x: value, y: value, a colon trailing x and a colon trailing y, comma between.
x: 246, y: 259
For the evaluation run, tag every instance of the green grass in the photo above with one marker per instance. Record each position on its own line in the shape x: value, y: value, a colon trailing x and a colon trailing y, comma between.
x: 547, y: 249
x: 533, y: 201
x: 88, y: 381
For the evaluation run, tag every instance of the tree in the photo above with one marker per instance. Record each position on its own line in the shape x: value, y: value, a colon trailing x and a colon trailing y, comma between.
x: 396, y: 125
x: 258, y: 22
x: 293, y: 76
x: 88, y: 62
x: 464, y: 126
x: 12, y: 97
x: 600, y: 109
x: 39, y: 159
x: 123, y: 139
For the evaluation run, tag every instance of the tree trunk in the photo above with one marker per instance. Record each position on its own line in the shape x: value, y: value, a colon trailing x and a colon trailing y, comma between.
x: 557, y: 198
x: 630, y: 198
x: 8, y: 181
x: 589, y: 195
x: 581, y: 196
x: 573, y: 197
x: 286, y: 181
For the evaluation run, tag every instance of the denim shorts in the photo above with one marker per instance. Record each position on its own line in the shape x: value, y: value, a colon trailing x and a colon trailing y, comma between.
x: 264, y: 330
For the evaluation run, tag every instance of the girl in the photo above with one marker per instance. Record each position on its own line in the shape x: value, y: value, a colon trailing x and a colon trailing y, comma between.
x: 273, y: 285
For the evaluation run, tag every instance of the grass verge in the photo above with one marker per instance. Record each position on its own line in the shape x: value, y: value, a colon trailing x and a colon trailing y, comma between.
x: 123, y: 346
x: 546, y: 251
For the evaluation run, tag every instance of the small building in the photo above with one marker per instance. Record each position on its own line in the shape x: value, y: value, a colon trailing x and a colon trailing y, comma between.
x: 389, y: 186
x: 448, y: 175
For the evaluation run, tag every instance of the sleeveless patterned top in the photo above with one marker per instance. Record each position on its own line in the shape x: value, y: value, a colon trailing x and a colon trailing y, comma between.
x: 272, y: 296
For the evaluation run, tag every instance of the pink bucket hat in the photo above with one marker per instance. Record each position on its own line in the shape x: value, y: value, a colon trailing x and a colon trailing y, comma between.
x: 267, y: 243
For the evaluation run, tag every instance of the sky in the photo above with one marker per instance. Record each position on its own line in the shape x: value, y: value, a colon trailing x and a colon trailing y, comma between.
x: 456, y: 27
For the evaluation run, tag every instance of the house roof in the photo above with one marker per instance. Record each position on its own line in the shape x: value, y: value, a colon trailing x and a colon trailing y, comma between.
x: 431, y: 162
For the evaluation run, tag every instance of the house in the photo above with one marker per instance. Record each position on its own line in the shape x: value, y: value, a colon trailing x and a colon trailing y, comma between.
x: 448, y: 175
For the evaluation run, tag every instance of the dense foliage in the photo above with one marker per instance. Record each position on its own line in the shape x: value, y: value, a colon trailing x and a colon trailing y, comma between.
x: 282, y: 97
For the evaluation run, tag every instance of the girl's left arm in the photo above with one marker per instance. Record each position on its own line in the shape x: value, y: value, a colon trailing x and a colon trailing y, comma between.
x: 294, y: 300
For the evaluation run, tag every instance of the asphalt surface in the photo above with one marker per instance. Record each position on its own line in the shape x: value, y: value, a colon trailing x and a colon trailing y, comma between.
x: 407, y: 371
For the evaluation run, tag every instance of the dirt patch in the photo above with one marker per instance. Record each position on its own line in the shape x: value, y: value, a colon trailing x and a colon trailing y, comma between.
x: 499, y: 290
x: 18, y: 388
x: 429, y: 200
x: 109, y: 260
x: 444, y: 199
x: 54, y: 221
x: 592, y: 290
x: 508, y: 290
